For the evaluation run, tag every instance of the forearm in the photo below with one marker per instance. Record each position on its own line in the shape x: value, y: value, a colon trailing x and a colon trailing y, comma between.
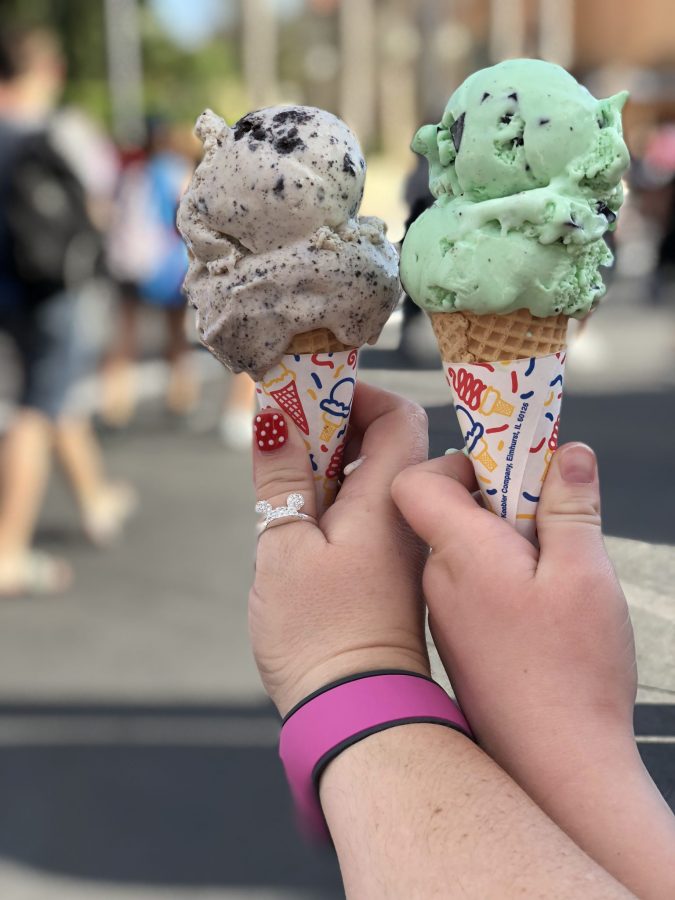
x: 419, y: 811
x: 611, y: 808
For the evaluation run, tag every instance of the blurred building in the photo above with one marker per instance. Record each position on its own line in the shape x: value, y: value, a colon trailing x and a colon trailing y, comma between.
x: 387, y: 65
x: 383, y: 65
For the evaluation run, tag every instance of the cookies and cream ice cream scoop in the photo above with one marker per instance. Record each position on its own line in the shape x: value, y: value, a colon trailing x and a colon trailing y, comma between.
x: 277, y: 248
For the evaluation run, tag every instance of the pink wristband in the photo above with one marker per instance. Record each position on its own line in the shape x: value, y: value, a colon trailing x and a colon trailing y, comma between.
x: 327, y: 722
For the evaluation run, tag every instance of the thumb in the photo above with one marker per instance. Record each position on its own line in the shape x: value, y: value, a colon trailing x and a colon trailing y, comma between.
x: 568, y: 516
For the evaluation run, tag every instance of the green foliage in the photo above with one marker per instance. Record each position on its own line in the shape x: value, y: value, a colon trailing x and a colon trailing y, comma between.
x: 177, y: 84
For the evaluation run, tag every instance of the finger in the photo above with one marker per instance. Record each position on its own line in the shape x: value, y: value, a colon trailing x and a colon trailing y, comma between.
x: 568, y: 517
x: 395, y: 435
x: 453, y: 464
x: 437, y: 500
x: 431, y: 495
x: 281, y: 467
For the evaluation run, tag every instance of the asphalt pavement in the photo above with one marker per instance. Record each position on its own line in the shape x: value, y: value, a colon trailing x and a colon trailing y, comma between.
x: 137, y: 749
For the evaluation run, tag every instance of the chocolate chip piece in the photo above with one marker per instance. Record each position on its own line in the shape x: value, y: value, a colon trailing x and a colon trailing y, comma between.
x: 605, y: 211
x: 544, y: 121
x: 279, y: 186
x: 513, y: 96
x: 518, y: 141
x: 299, y: 116
x: 289, y: 142
x: 348, y: 165
x: 506, y: 118
x: 457, y: 130
x: 485, y: 96
x: 243, y: 126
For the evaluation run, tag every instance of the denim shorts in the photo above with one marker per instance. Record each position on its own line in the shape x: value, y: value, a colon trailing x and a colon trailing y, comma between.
x: 45, y: 340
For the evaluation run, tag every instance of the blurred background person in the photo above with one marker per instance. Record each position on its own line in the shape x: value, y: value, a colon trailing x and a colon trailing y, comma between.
x: 414, y: 343
x: 653, y: 178
x: 235, y: 421
x: 49, y: 252
x: 148, y: 259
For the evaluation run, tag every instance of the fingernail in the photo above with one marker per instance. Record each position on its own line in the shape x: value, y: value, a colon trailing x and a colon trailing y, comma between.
x: 270, y: 430
x: 577, y: 464
x: 450, y: 451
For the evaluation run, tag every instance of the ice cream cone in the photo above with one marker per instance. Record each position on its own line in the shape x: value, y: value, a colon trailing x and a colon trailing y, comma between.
x: 314, y: 385
x: 505, y: 374
x: 467, y: 337
x: 320, y: 340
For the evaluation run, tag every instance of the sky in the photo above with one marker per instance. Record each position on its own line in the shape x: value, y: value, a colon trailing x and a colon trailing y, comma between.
x: 192, y: 24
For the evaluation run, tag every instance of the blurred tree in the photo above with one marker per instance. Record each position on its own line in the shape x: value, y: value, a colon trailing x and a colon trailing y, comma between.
x: 79, y: 25
x: 178, y: 82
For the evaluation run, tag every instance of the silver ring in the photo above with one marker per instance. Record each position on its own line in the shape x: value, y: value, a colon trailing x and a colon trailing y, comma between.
x: 294, y: 503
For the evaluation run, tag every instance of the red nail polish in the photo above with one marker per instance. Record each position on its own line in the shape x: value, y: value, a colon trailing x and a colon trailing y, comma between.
x: 271, y: 431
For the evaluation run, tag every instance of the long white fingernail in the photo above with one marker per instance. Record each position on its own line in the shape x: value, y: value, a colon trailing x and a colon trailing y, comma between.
x: 450, y: 451
x: 352, y: 466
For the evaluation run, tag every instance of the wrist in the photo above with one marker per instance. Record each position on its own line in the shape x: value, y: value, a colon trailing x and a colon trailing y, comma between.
x: 560, y: 765
x: 345, y: 664
x: 610, y: 807
x: 343, y: 713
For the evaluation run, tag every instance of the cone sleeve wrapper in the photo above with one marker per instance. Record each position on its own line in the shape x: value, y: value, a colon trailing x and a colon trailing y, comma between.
x: 509, y: 413
x: 315, y: 391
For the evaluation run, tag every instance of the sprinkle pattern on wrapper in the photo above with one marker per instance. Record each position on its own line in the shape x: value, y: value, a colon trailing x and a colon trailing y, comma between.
x: 509, y: 413
x: 316, y: 391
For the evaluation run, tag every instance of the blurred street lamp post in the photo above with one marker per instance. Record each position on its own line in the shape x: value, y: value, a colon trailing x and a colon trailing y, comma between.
x: 400, y: 47
x: 260, y: 51
x: 125, y: 70
x: 357, y: 74
x: 507, y: 29
x: 556, y: 31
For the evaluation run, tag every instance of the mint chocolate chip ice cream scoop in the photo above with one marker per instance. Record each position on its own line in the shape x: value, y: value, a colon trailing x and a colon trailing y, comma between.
x: 526, y: 168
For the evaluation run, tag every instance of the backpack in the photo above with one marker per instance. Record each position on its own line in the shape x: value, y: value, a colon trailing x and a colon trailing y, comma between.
x: 50, y: 242
x: 144, y: 245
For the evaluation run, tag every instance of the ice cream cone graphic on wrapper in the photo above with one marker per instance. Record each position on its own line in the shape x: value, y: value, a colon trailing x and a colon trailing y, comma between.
x: 315, y: 389
x: 526, y: 168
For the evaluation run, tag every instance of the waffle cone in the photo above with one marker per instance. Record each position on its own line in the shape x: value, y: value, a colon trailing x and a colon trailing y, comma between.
x: 467, y: 337
x: 320, y: 340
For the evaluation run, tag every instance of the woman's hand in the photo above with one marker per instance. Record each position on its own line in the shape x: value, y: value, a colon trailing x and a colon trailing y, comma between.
x: 342, y: 596
x: 538, y: 645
